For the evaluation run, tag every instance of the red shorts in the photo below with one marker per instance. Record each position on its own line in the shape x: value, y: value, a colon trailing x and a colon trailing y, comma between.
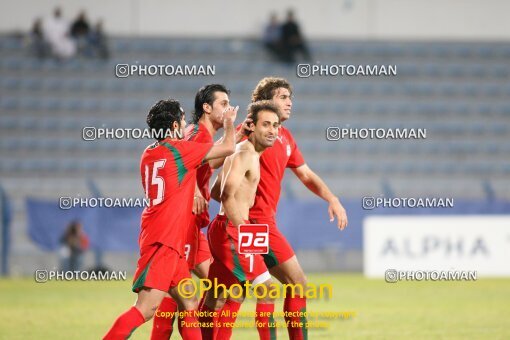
x: 196, y: 247
x: 279, y: 249
x: 223, y: 241
x: 159, y: 267
x: 222, y: 274
x: 203, y: 252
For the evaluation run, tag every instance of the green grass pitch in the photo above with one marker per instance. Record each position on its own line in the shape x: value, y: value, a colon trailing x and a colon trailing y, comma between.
x: 403, y: 310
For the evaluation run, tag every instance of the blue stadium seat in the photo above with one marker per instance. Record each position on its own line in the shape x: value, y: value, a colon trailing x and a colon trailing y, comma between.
x: 11, y: 83
x: 439, y: 84
x: 8, y: 123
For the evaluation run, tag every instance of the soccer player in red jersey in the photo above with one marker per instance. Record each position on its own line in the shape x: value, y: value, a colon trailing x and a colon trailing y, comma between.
x: 281, y: 260
x: 210, y: 103
x: 168, y: 172
x: 238, y: 180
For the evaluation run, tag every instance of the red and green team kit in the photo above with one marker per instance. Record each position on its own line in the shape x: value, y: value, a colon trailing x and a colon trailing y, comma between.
x: 171, y: 241
x: 169, y: 171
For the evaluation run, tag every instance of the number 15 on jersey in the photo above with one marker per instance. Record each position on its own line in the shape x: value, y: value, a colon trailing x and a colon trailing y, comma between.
x: 153, y: 179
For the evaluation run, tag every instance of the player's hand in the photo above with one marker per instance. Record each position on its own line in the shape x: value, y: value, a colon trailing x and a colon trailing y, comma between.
x: 230, y: 114
x: 245, y: 128
x: 200, y: 204
x: 336, y: 210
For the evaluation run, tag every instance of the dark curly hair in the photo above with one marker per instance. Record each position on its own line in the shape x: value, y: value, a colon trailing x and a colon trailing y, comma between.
x: 267, y: 86
x: 162, y: 116
x: 262, y: 105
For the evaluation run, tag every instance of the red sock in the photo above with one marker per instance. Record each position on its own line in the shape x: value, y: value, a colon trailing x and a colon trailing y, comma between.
x: 295, y: 304
x: 226, y: 319
x: 163, y: 319
x: 265, y: 324
x: 125, y: 325
x: 207, y: 332
x: 188, y: 326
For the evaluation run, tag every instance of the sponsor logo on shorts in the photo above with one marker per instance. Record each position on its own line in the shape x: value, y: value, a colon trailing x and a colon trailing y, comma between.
x: 253, y: 239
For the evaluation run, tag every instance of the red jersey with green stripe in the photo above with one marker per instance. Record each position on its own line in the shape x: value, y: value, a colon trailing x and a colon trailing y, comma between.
x: 283, y: 154
x: 168, y: 170
x: 198, y: 133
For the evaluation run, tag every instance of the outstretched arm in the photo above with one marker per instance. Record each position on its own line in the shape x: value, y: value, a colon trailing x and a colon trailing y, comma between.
x: 316, y: 185
x: 242, y: 132
x: 216, y: 188
x: 199, y: 202
x: 227, y: 145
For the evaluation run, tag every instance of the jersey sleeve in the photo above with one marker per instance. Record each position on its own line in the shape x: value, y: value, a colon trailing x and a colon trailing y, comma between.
x: 193, y: 153
x: 296, y: 157
x: 200, y: 138
x: 190, y: 132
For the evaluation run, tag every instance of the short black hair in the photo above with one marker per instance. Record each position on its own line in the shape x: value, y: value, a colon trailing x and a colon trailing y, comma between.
x: 162, y: 116
x: 262, y: 105
x: 206, y: 95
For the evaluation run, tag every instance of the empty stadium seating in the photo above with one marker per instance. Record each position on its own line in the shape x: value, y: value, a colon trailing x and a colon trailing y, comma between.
x: 458, y: 91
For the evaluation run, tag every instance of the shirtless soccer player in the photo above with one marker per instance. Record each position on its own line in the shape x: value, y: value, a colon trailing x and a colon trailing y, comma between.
x: 168, y: 172
x: 238, y: 180
x: 210, y: 103
x: 281, y: 260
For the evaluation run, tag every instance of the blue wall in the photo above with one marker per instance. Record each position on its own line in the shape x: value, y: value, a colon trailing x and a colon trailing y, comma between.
x: 305, y: 223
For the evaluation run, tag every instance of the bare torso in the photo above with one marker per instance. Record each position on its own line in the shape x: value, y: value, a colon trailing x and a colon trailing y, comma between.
x: 247, y: 168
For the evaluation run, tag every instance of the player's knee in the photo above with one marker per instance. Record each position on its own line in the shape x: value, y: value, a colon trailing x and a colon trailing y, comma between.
x: 190, y: 304
x: 202, y: 269
x: 301, y: 279
x: 262, y: 292
x: 264, y: 297
x: 296, y: 279
x: 236, y: 294
x: 215, y: 302
x: 237, y: 299
x: 147, y: 310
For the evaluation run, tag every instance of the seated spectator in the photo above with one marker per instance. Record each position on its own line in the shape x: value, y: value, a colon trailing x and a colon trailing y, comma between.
x: 38, y: 46
x: 272, y: 38
x: 74, y: 243
x: 80, y: 27
x: 56, y: 32
x: 80, y: 31
x: 292, y: 39
x: 98, y: 41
